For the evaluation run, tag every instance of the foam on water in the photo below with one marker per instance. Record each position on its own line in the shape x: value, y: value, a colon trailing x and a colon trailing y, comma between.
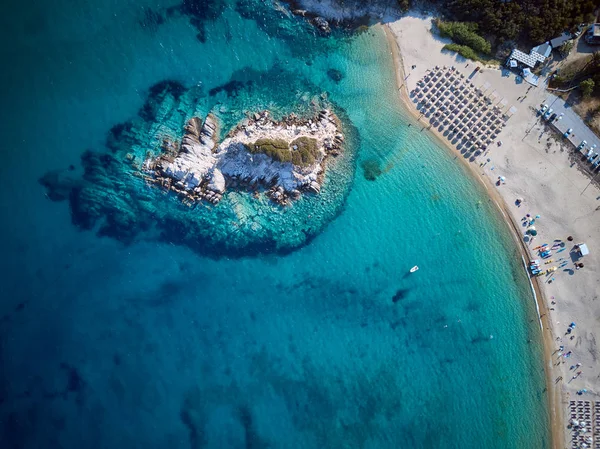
x: 333, y: 345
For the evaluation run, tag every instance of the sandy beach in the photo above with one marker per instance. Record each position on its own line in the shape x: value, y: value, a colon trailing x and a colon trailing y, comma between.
x: 538, y: 169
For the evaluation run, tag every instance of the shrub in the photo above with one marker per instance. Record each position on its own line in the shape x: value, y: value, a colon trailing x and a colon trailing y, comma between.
x: 566, y: 48
x: 464, y: 33
x: 587, y: 87
x: 277, y: 149
x: 306, y: 152
x: 463, y: 50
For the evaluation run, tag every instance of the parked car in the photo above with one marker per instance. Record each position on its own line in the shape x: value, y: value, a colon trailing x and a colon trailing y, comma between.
x: 592, y: 157
x: 552, y: 117
x: 548, y: 113
x: 543, y: 109
x: 561, y: 116
x: 581, y: 146
x: 568, y: 132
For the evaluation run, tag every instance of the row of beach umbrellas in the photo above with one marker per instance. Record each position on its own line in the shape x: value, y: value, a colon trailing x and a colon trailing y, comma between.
x: 446, y: 97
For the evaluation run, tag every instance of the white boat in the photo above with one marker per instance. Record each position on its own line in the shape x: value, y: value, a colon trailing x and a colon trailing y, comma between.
x: 413, y: 269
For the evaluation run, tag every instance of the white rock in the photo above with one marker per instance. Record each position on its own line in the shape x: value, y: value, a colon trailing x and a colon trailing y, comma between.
x: 217, y: 181
x: 200, y: 158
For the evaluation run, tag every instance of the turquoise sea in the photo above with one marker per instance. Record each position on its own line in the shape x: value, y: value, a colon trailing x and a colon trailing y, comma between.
x: 118, y: 332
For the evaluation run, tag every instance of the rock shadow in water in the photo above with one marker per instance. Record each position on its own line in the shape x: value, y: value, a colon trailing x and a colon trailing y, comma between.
x: 371, y: 169
x: 400, y: 294
x: 335, y: 75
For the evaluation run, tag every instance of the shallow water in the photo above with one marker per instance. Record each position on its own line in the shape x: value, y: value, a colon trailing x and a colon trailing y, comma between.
x: 332, y: 345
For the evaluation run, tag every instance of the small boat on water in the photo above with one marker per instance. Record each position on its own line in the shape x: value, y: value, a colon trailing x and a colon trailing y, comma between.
x: 413, y: 269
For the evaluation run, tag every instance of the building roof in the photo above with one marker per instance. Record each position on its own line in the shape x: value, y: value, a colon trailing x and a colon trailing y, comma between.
x: 544, y: 49
x: 538, y: 57
x: 523, y: 58
x: 558, y: 41
x: 596, y: 30
x: 531, y: 78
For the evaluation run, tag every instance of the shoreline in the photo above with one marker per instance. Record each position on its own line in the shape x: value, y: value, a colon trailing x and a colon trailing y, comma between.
x: 554, y: 394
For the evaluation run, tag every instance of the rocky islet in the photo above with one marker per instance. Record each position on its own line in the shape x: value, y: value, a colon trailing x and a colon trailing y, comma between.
x: 201, y: 168
x: 168, y: 176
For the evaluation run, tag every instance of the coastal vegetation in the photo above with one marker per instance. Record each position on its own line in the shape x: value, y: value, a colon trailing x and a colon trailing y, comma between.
x: 526, y: 21
x: 566, y: 48
x: 277, y: 149
x: 464, y: 34
x: 303, y: 152
x: 467, y: 42
x: 464, y: 51
x: 587, y: 87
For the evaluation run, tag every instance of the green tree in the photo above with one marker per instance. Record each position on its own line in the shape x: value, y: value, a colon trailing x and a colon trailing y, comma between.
x: 566, y: 48
x: 587, y: 87
x: 464, y: 33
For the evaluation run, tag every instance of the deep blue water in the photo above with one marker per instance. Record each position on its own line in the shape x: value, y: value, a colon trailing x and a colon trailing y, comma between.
x: 156, y: 344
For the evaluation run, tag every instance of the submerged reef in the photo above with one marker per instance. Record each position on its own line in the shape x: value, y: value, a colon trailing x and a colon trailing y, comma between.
x: 270, y: 185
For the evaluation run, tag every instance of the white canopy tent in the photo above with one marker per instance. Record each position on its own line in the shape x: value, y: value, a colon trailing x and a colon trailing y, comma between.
x: 583, y: 249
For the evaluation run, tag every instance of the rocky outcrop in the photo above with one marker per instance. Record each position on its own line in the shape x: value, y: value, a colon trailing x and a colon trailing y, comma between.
x: 189, y: 169
x: 200, y: 169
x: 195, y: 158
x: 322, y: 25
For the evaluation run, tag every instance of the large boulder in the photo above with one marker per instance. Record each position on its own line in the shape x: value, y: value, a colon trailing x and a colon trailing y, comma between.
x: 217, y: 181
